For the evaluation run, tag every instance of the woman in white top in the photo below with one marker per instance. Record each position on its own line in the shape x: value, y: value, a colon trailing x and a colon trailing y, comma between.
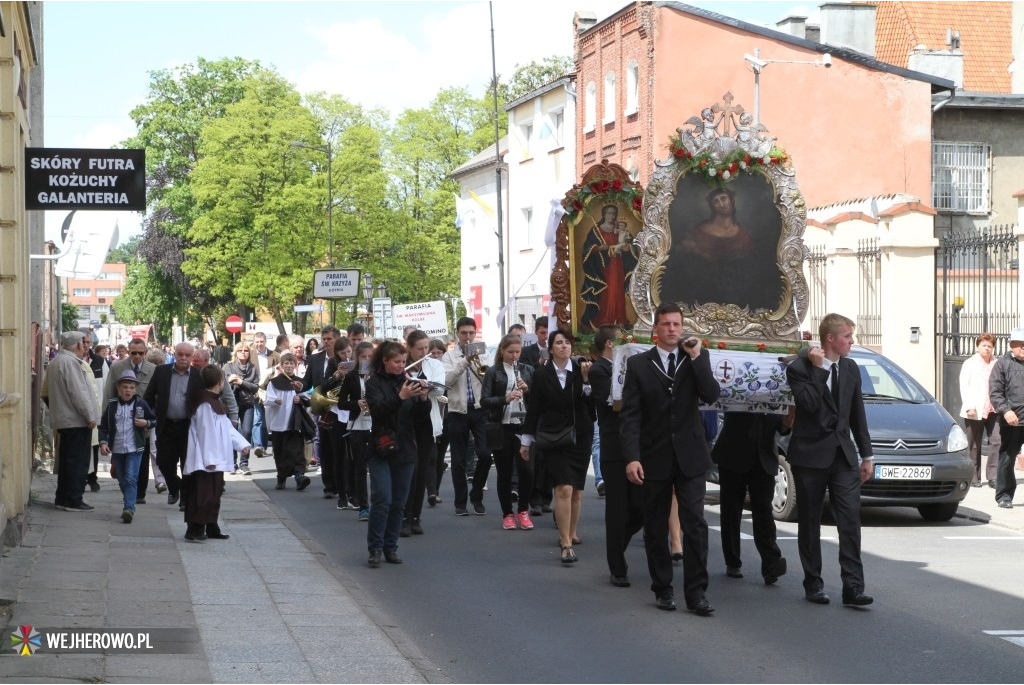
x: 977, y: 411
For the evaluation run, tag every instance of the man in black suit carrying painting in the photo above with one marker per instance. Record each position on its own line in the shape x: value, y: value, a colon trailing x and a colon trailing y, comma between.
x: 830, y: 418
x: 665, y: 450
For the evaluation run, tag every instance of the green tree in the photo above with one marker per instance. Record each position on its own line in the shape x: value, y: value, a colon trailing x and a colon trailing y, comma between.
x: 125, y: 252
x: 148, y: 297
x: 531, y: 76
x: 257, y: 235
x: 68, y: 316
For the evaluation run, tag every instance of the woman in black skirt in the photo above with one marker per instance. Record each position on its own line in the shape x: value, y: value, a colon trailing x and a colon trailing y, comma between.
x: 561, y: 397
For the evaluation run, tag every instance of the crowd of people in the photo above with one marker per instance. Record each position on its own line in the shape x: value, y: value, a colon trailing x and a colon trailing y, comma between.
x: 375, y: 420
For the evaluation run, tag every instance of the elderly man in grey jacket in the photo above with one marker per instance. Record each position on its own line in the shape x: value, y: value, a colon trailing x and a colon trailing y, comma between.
x: 74, y: 413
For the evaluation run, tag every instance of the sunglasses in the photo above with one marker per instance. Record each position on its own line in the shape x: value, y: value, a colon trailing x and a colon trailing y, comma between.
x: 137, y: 354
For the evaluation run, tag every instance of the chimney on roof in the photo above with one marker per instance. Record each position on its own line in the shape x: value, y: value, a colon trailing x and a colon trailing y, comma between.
x: 947, y: 64
x: 583, y: 20
x: 849, y: 25
x: 794, y: 25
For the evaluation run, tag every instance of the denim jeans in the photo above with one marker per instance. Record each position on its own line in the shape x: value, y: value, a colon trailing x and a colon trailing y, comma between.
x: 389, y: 488
x: 595, y: 455
x: 246, y: 417
x: 259, y: 428
x: 127, y: 467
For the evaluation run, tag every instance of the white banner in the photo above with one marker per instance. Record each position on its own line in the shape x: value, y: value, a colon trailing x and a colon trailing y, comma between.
x: 429, y: 317
x: 750, y: 381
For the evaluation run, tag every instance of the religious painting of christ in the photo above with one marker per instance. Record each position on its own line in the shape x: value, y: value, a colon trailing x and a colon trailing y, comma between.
x: 724, y: 245
x: 608, y: 259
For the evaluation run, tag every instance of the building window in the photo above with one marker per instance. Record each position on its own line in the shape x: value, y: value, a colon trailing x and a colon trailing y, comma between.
x: 102, y: 309
x: 108, y: 292
x: 590, y: 103
x: 609, y: 98
x: 84, y: 312
x: 81, y: 292
x: 555, y: 128
x: 528, y: 223
x: 960, y: 177
x: 527, y: 132
x: 632, y: 88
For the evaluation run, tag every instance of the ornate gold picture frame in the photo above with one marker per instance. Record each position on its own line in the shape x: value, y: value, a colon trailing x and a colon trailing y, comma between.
x: 723, y: 223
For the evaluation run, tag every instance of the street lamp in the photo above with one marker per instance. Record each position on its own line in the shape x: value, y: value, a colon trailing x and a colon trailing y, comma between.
x: 326, y: 149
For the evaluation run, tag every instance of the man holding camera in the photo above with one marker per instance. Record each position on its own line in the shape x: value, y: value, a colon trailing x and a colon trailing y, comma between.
x: 665, y: 450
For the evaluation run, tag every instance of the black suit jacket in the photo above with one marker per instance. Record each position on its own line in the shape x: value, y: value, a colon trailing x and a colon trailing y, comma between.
x: 531, y: 356
x: 660, y: 417
x: 315, y: 375
x: 159, y: 391
x: 607, y: 418
x: 747, y: 441
x: 552, y: 407
x: 820, y: 425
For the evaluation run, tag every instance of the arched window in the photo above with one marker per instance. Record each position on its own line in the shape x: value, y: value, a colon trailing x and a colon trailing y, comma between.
x: 590, y: 103
x: 609, y: 98
x: 632, y: 88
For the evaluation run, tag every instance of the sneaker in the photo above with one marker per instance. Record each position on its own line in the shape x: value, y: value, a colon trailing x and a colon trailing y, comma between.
x: 94, y: 485
x: 80, y: 507
x: 236, y: 472
x: 301, y: 483
x: 339, y: 506
x: 280, y: 485
x: 432, y: 500
x: 406, y: 531
x: 478, y: 507
x: 508, y: 522
x: 140, y: 500
x: 127, y: 516
x: 600, y: 489
x: 416, y: 527
x: 461, y: 511
x: 161, y: 488
x: 246, y: 471
x: 524, y: 520
x: 535, y: 511
x: 259, y: 452
x: 364, y: 514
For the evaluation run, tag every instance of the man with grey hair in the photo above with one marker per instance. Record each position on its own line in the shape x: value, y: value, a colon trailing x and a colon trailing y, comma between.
x: 171, y: 394
x: 74, y: 414
x: 200, y: 360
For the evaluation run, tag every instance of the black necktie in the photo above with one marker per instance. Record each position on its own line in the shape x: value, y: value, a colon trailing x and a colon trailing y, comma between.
x: 136, y: 371
x: 835, y: 383
x: 672, y: 364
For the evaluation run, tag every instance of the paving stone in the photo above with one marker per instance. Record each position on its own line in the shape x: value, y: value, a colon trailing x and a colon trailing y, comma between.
x: 250, y: 653
x: 264, y: 672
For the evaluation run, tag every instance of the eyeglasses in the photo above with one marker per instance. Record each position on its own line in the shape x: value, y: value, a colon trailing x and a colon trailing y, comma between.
x: 137, y: 354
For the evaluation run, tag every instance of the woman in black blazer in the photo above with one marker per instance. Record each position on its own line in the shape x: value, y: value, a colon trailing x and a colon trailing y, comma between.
x: 352, y: 399
x: 505, y: 389
x: 560, y: 397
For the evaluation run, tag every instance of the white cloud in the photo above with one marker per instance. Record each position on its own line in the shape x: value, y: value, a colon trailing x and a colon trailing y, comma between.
x: 368, y: 63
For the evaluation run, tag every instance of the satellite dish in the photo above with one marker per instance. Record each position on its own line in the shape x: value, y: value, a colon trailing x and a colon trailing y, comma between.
x: 85, y: 250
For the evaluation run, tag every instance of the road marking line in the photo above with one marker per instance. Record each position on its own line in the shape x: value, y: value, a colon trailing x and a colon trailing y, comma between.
x: 1014, y: 637
x: 793, y: 537
x: 982, y: 537
x: 743, y: 536
x: 1003, y: 632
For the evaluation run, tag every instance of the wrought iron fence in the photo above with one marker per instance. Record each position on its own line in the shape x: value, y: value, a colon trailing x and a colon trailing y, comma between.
x: 817, y: 287
x: 978, y: 288
x: 869, y: 297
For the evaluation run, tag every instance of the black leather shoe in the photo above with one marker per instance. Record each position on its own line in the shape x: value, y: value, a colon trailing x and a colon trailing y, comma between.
x: 218, y: 536
x: 733, y: 572
x: 857, y: 599
x: 992, y: 484
x: 172, y: 498
x: 391, y: 556
x: 778, y: 569
x: 416, y: 527
x: 375, y: 558
x: 667, y: 602
x: 302, y: 483
x: 701, y: 607
x: 677, y: 558
x: 406, y: 531
x: 817, y: 597
x: 620, y: 581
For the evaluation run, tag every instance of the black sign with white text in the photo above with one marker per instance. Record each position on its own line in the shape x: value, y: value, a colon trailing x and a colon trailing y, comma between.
x: 70, y: 178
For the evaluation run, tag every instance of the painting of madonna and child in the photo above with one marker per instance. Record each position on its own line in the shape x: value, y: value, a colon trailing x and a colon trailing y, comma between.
x: 724, y: 244
x: 608, y: 257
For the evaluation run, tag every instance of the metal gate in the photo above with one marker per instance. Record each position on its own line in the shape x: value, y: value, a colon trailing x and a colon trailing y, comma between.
x: 869, y: 297
x: 817, y: 287
x: 977, y: 291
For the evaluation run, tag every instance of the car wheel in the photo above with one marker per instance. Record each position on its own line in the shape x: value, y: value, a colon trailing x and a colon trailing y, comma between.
x: 938, y: 512
x: 784, y: 500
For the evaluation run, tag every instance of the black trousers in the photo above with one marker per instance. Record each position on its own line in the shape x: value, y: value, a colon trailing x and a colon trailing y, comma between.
x: 332, y: 457
x: 171, y: 450
x: 359, y: 446
x: 1012, y: 438
x: 843, y: 484
x: 657, y: 508
x: 289, y: 454
x: 734, y: 487
x: 459, y: 428
x: 143, y: 481
x: 543, y: 486
x: 426, y: 453
x: 506, y: 460
x: 976, y: 430
x: 72, y: 465
x: 623, y: 514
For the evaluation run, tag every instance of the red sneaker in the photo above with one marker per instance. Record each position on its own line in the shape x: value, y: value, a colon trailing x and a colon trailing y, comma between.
x: 524, y: 520
x: 509, y: 522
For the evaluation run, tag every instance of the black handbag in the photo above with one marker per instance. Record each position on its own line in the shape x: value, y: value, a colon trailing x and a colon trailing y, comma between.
x: 493, y: 436
x: 555, y: 439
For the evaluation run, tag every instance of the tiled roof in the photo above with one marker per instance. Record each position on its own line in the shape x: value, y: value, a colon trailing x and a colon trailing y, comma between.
x: 984, y: 37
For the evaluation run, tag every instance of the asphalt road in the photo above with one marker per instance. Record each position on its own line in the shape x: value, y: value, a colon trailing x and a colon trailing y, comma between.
x: 489, y: 605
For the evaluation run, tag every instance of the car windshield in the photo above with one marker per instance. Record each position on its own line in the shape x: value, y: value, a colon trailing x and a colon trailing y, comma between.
x: 881, y: 380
